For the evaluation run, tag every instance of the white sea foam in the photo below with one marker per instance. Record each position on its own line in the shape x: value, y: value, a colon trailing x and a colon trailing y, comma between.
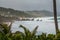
x: 48, y: 19
x: 46, y: 25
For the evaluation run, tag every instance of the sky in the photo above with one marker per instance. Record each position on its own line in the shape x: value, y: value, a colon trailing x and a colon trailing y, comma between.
x: 29, y: 5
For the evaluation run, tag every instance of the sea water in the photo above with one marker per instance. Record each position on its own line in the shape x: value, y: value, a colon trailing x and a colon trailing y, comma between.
x: 47, y: 25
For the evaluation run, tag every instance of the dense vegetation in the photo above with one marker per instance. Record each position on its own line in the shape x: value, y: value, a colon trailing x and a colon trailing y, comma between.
x: 5, y: 34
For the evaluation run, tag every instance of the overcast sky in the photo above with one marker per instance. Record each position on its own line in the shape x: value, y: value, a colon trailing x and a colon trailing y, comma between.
x: 27, y: 5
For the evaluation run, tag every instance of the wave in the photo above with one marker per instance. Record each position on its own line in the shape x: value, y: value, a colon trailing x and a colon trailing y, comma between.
x: 49, y: 19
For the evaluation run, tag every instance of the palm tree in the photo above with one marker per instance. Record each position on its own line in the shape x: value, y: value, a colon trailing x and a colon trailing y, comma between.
x: 5, y: 32
x: 55, y: 16
x: 6, y: 28
x: 29, y: 35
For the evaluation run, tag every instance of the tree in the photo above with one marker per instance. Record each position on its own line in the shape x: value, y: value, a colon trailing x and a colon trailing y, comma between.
x: 55, y: 16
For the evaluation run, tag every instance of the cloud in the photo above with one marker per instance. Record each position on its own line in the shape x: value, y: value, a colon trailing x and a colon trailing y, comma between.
x: 29, y: 4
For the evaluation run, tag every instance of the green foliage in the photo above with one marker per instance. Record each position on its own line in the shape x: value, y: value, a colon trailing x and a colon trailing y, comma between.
x: 29, y: 35
x: 50, y: 36
x: 6, y: 34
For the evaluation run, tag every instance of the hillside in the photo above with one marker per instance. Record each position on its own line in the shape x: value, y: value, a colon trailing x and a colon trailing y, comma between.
x: 9, y: 11
x: 7, y: 19
x: 16, y: 13
x: 42, y: 13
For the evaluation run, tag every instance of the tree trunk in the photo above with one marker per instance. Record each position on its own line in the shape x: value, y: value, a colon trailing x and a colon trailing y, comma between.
x: 55, y: 15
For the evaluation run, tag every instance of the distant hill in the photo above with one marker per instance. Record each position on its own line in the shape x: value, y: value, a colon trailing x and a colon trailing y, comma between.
x: 17, y: 13
x: 42, y: 13
x: 9, y: 11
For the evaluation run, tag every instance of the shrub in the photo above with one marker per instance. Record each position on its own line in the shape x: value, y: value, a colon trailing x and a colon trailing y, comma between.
x: 6, y: 34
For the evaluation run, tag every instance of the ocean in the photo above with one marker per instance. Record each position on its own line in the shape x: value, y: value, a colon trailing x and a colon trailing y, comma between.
x: 46, y: 25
